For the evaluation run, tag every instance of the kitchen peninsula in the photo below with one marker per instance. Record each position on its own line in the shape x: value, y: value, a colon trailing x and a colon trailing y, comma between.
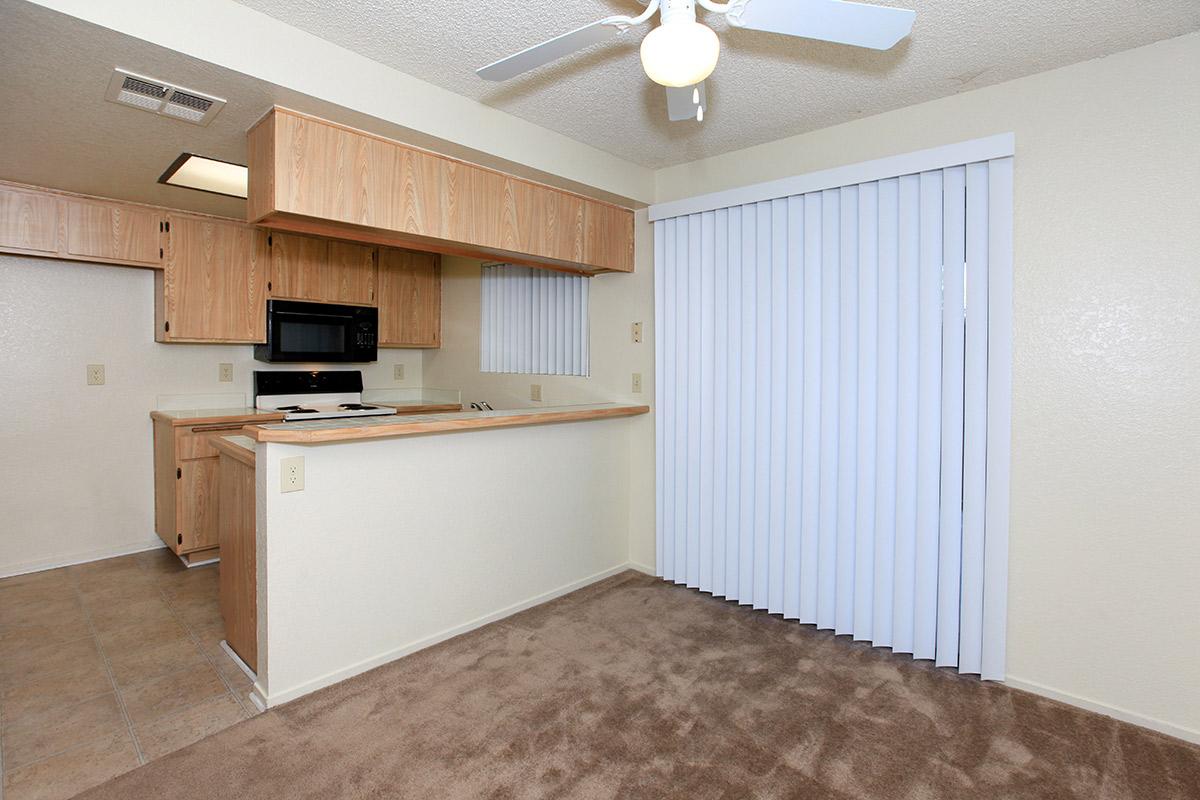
x: 407, y: 530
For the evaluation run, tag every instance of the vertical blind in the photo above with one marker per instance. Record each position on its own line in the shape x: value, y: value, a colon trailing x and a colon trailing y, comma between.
x: 833, y: 403
x: 533, y: 321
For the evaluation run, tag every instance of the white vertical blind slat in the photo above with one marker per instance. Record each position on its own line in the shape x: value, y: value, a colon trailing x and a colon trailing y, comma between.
x: 810, y: 530
x: 999, y: 424
x: 868, y: 323
x: 929, y: 416
x: 909, y: 296
x: 847, y: 500
x: 827, y: 404
x: 949, y: 579
x: 794, y: 408
x: 886, y: 412
x: 975, y: 368
x: 777, y: 432
x: 830, y: 303
x: 720, y: 396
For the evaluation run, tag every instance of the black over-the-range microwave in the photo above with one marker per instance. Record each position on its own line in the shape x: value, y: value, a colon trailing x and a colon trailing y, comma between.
x: 299, y: 331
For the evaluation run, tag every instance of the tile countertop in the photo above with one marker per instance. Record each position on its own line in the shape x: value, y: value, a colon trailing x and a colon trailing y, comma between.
x: 347, y: 429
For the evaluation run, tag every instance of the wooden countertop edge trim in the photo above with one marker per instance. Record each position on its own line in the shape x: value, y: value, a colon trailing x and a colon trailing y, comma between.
x: 234, y: 451
x: 261, y: 434
x: 248, y: 419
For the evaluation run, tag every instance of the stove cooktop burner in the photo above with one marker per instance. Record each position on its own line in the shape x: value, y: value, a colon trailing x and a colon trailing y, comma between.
x: 357, y: 407
x: 287, y: 408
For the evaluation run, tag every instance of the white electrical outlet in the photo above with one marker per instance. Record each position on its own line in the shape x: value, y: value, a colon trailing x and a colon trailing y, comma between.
x: 398, y: 372
x: 637, y: 333
x: 291, y: 474
x: 95, y: 374
x: 637, y: 383
x: 225, y: 373
x: 535, y: 391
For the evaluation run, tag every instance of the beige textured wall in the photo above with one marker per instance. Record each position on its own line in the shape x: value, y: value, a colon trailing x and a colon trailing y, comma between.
x: 1104, y: 589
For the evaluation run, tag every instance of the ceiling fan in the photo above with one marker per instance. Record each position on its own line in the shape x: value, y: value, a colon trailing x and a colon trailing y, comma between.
x: 681, y: 52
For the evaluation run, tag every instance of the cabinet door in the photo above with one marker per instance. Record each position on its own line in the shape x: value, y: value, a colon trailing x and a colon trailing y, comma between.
x: 197, y: 501
x: 351, y: 275
x: 114, y: 232
x: 28, y: 221
x: 410, y: 299
x: 299, y: 267
x: 214, y: 281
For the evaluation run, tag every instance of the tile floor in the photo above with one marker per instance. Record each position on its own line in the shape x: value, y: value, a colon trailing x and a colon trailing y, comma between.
x: 108, y: 665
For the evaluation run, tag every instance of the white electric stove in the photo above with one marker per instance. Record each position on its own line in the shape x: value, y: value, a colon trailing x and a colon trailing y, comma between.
x: 316, y: 394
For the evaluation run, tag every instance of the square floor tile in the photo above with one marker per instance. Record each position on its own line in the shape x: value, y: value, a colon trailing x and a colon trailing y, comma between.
x: 61, y: 729
x: 173, y: 731
x: 65, y: 687
x: 171, y: 693
x: 66, y: 774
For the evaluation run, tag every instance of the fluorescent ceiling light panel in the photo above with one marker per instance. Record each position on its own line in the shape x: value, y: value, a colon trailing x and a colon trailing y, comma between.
x: 207, y: 175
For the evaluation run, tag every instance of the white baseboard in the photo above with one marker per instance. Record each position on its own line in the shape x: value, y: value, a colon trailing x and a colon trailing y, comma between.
x: 643, y: 568
x: 39, y: 565
x: 1122, y: 714
x: 278, y: 698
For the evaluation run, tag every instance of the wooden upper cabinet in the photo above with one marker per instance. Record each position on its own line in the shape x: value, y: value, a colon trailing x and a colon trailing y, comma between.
x: 213, y: 284
x: 312, y: 176
x: 298, y: 267
x: 29, y: 221
x: 410, y: 298
x: 109, y: 231
x: 351, y: 274
x: 320, y: 270
x: 48, y: 222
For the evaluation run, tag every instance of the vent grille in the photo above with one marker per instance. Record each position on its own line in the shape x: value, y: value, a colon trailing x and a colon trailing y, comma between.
x: 160, y: 97
x: 131, y: 84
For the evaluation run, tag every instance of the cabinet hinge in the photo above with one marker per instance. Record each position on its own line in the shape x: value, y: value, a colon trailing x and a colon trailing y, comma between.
x: 167, y: 326
x: 268, y: 286
x: 268, y: 240
x: 168, y: 226
x: 160, y: 252
x: 161, y: 226
x: 179, y: 538
x: 178, y: 473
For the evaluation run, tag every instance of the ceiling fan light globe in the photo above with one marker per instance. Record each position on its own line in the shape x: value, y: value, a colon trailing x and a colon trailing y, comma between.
x: 680, y: 53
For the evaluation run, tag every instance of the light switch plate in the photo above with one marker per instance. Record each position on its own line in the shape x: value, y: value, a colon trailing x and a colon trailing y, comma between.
x: 291, y: 474
x: 398, y: 372
x: 225, y: 373
x: 535, y: 391
x: 637, y: 383
x: 95, y: 374
x: 637, y: 333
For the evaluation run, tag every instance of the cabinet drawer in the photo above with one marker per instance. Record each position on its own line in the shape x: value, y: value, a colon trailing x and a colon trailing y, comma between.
x: 196, y: 441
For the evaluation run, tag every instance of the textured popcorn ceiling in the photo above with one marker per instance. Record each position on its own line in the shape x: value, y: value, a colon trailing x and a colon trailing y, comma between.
x: 766, y: 86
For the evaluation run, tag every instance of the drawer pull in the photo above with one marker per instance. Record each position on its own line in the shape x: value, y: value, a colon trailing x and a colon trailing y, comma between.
x: 216, y: 428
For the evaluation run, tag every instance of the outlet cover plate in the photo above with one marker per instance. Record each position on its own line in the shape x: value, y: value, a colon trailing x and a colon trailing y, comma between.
x: 398, y: 372
x: 535, y: 391
x: 637, y: 383
x: 225, y: 372
x: 291, y: 474
x: 95, y: 374
x: 637, y: 333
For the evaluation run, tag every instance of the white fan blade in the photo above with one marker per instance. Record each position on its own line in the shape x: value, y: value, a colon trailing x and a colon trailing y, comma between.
x: 679, y: 102
x: 550, y: 50
x: 859, y: 24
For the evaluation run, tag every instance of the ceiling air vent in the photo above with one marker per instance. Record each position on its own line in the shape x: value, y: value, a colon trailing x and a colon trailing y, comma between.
x: 159, y: 97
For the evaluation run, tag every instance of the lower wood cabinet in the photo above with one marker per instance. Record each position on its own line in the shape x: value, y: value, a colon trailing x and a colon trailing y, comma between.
x: 186, y: 490
x: 213, y: 284
x: 410, y: 298
x: 238, y: 526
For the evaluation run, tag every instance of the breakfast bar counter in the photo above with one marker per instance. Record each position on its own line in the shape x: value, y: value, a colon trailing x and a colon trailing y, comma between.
x: 341, y: 430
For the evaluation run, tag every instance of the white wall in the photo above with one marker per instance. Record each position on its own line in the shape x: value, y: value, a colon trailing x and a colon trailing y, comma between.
x: 395, y: 544
x: 616, y: 301
x: 1104, y: 604
x: 76, y: 465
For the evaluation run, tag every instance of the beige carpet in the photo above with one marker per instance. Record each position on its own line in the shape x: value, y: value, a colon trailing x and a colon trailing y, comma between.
x: 633, y: 688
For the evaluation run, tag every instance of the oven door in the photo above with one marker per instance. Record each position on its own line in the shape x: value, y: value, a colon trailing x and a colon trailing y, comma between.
x: 318, y: 332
